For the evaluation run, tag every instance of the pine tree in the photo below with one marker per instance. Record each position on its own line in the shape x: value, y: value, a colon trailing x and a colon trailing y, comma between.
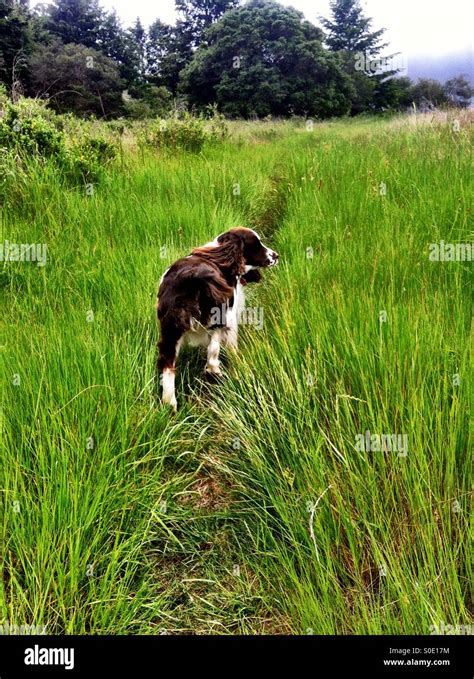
x: 162, y: 55
x: 350, y: 34
x: 137, y: 38
x: 117, y: 44
x: 76, y: 21
x: 195, y: 17
x: 350, y: 30
x: 15, y: 39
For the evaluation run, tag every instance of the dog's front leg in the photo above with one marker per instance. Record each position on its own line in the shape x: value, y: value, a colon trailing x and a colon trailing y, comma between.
x: 231, y: 335
x: 213, y: 349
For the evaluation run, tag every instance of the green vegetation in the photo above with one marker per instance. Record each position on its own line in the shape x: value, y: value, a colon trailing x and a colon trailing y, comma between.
x: 250, y: 58
x: 253, y: 509
x: 31, y: 134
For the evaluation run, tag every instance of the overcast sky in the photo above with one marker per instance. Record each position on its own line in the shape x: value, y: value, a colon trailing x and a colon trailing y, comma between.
x: 414, y: 27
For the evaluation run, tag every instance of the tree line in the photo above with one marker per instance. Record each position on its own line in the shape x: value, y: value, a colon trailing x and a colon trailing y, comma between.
x: 253, y: 58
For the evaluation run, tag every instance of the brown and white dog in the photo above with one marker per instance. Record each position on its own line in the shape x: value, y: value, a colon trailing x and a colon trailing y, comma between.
x: 201, y: 296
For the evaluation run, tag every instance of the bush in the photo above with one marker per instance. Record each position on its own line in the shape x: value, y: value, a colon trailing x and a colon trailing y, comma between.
x: 86, y: 160
x: 185, y: 132
x: 33, y: 137
x: 26, y: 127
x: 77, y: 78
x: 217, y: 127
x: 29, y: 129
x: 149, y: 102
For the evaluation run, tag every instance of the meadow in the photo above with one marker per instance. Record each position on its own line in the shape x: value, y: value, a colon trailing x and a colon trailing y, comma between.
x: 262, y: 506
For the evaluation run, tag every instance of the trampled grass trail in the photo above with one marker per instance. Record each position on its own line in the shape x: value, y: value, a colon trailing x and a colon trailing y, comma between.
x: 263, y: 506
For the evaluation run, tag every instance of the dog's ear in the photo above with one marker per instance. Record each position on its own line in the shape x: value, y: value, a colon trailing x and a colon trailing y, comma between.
x: 232, y: 246
x: 228, y: 253
x: 252, y: 276
x: 232, y: 240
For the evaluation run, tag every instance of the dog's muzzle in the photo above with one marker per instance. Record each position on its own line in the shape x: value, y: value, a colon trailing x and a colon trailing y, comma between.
x: 272, y: 258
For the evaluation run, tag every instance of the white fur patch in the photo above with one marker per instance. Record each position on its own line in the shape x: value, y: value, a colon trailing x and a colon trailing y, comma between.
x: 213, y: 365
x: 161, y: 279
x: 233, y: 316
x: 168, y: 379
x: 197, y: 335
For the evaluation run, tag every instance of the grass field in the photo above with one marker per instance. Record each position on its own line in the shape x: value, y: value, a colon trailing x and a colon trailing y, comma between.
x: 254, y: 508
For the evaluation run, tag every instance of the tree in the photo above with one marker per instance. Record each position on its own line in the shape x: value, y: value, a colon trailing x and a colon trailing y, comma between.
x: 350, y: 30
x: 393, y: 93
x: 458, y: 91
x: 427, y: 93
x: 350, y: 34
x: 195, y: 17
x: 113, y: 42
x: 362, y: 86
x: 84, y: 22
x: 263, y: 59
x: 15, y: 39
x: 163, y: 56
x: 169, y: 49
x: 136, y: 37
x: 77, y: 78
x: 76, y: 21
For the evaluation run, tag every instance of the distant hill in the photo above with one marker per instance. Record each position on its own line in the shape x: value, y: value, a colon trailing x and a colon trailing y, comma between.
x: 441, y: 68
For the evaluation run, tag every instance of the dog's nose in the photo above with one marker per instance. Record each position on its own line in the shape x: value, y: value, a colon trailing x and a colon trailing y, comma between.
x: 274, y: 256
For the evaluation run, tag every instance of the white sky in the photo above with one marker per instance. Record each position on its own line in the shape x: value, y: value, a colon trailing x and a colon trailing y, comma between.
x: 414, y: 27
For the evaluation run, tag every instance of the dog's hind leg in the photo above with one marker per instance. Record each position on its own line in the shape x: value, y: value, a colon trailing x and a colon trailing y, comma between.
x: 213, y: 348
x: 168, y: 348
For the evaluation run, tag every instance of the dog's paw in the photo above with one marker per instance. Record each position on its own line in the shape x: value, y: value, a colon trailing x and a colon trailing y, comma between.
x: 213, y: 375
x: 172, y: 403
x: 252, y: 276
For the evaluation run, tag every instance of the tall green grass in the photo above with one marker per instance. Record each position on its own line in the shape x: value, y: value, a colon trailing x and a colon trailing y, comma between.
x: 251, y: 510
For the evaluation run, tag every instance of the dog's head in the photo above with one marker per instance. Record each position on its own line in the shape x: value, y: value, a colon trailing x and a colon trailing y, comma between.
x: 254, y: 253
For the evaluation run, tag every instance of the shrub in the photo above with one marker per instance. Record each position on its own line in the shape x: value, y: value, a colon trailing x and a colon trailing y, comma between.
x: 87, y: 159
x: 77, y: 78
x: 185, y: 133
x: 29, y: 129
x: 218, y: 128
x: 149, y: 101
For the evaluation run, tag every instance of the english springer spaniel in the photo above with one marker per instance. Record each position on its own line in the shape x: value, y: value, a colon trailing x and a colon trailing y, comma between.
x: 201, y: 297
